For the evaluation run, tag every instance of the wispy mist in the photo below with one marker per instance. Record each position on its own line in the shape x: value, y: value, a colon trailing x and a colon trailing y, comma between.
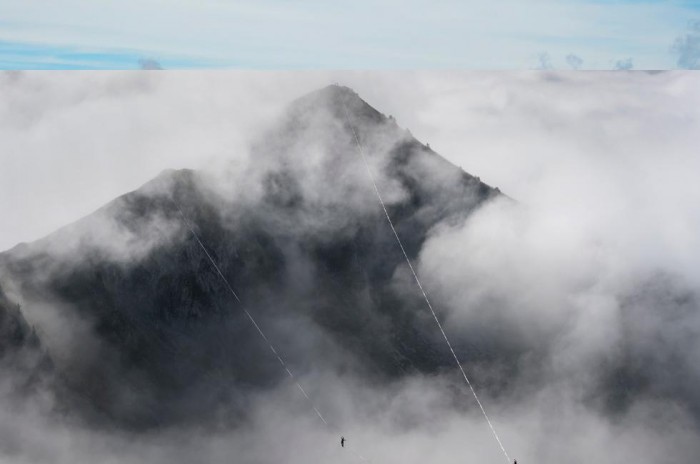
x: 573, y: 302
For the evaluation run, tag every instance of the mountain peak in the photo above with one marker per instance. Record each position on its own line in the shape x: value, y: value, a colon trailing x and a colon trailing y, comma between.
x: 339, y: 100
x: 332, y: 119
x: 338, y: 89
x: 333, y: 92
x: 299, y: 235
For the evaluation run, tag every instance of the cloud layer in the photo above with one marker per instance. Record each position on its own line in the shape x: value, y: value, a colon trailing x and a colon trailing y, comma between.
x: 579, y: 298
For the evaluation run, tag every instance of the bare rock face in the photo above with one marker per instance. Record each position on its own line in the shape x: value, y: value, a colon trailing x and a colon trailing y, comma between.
x: 155, y: 336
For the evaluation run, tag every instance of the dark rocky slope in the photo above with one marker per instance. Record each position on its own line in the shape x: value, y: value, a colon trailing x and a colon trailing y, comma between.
x: 159, y: 339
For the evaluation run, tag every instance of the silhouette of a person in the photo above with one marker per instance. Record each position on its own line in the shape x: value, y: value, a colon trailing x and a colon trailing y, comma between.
x: 342, y: 442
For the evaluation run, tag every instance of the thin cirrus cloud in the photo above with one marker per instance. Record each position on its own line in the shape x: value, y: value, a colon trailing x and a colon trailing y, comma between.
x: 390, y: 34
x: 687, y: 47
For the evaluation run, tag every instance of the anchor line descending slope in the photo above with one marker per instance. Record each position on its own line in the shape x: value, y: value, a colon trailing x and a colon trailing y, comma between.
x: 260, y: 331
x: 420, y: 286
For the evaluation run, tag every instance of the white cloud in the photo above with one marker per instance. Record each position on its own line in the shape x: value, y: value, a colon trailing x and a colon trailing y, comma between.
x: 72, y: 142
x: 602, y: 165
x: 594, y: 262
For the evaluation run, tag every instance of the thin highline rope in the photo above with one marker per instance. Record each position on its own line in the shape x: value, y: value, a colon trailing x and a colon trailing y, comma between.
x: 259, y: 330
x: 420, y: 286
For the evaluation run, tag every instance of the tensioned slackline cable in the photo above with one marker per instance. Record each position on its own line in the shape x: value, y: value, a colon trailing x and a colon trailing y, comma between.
x: 420, y: 286
x: 260, y: 331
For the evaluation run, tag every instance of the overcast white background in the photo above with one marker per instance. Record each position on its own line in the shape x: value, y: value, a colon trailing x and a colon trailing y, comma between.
x: 615, y: 147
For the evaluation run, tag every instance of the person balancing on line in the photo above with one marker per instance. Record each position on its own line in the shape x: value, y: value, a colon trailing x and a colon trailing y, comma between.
x: 342, y: 442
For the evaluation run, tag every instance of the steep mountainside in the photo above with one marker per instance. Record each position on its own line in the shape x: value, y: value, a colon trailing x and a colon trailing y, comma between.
x: 156, y: 338
x: 23, y: 361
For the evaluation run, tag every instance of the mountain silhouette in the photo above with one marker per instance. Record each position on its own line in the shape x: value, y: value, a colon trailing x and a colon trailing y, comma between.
x: 141, y: 330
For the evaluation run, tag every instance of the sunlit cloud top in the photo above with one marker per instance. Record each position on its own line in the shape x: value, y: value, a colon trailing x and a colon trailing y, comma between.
x: 275, y: 34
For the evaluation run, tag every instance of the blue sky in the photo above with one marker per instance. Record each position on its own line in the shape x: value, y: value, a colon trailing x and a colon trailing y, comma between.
x: 363, y: 34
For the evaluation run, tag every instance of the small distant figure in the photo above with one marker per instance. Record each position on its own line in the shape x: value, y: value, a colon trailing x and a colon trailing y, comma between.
x: 342, y: 443
x: 515, y: 461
